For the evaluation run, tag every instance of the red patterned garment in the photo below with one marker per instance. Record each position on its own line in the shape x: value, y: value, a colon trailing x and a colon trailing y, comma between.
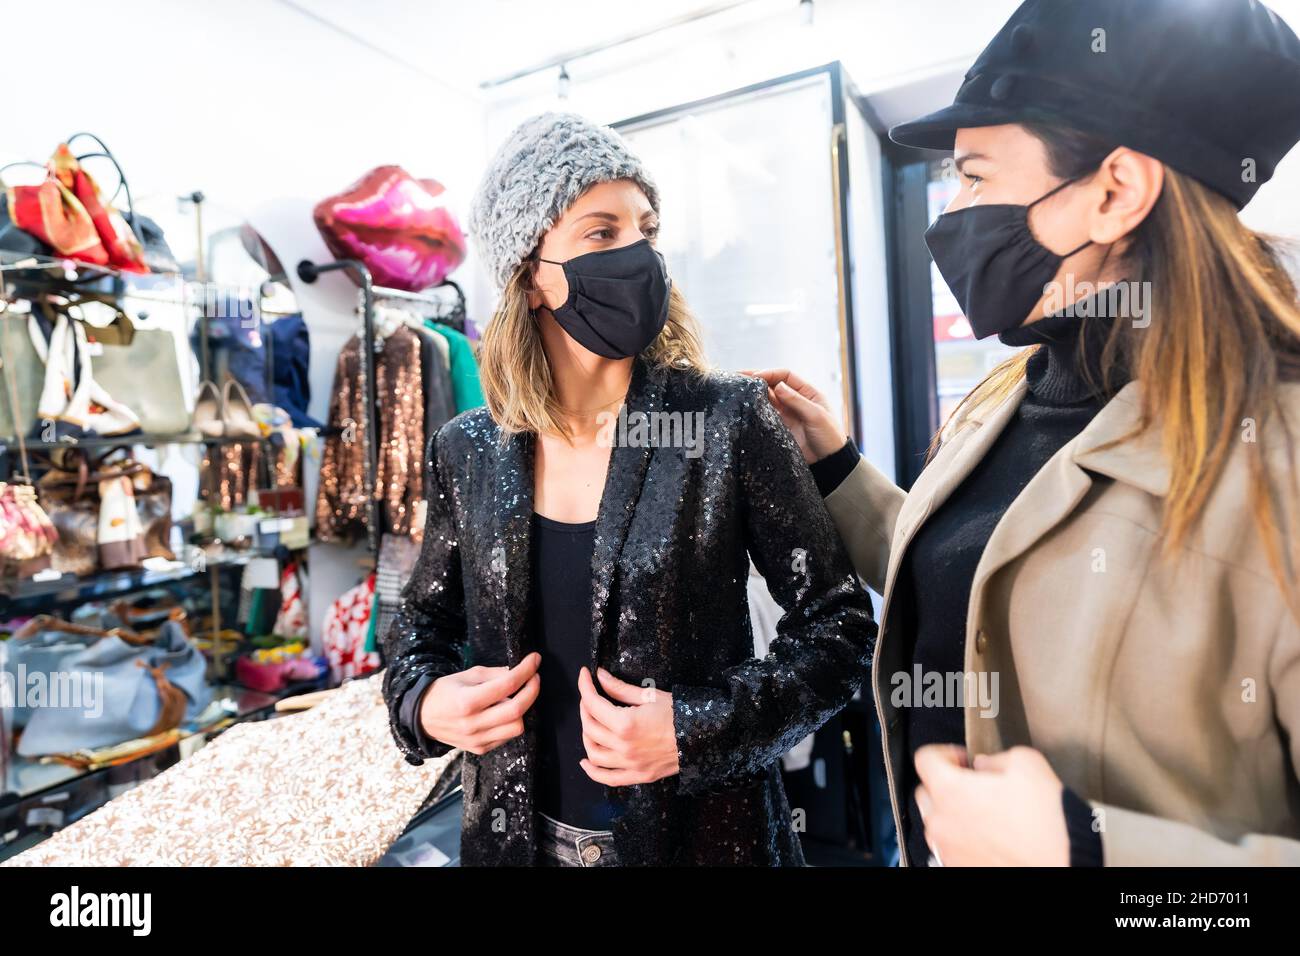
x: 344, y: 632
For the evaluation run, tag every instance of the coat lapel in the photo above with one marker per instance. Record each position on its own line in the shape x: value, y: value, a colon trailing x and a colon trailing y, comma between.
x: 1060, y: 485
x: 511, y: 554
x: 1139, y: 461
x: 623, y: 481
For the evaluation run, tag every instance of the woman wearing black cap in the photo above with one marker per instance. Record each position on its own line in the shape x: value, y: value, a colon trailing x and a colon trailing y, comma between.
x: 1105, y: 534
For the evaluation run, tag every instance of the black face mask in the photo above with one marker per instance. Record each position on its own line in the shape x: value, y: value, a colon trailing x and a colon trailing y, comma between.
x: 991, y: 261
x: 618, y: 299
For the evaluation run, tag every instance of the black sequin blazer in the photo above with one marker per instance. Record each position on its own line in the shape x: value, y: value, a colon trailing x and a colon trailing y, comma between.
x: 673, y: 538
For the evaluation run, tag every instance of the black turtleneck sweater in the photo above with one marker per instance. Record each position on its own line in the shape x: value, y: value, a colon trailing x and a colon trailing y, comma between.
x: 932, y: 589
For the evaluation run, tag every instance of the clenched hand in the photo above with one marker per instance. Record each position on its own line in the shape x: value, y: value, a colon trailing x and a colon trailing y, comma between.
x: 481, y: 708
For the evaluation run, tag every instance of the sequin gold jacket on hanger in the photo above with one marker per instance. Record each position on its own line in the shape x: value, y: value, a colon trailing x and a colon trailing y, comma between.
x: 673, y: 539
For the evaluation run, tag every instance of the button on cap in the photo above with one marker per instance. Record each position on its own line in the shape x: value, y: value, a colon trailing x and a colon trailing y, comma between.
x: 1002, y: 87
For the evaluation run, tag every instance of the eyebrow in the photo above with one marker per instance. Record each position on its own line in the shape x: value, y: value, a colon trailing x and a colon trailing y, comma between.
x: 968, y: 158
x: 610, y: 217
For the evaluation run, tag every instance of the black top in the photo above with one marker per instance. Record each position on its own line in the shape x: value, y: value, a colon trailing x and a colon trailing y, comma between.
x: 559, y: 628
x: 1063, y: 395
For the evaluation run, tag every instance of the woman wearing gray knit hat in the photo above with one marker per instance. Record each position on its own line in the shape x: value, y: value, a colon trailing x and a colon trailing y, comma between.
x: 578, y: 619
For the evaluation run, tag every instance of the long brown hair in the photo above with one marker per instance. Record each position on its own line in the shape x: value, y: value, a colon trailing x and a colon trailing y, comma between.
x: 516, y: 376
x: 1225, y: 333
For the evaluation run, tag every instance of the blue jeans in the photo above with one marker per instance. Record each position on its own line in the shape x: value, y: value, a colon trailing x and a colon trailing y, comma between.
x: 563, y: 845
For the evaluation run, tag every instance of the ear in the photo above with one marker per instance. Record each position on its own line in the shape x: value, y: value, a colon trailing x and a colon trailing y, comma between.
x: 1129, y: 183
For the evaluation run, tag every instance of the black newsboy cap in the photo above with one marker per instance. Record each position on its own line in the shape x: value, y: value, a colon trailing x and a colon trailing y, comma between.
x: 1209, y: 87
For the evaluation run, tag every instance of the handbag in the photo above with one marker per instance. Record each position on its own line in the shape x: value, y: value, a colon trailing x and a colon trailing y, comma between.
x: 27, y: 536
x: 109, y: 515
x: 72, y: 403
x: 22, y: 373
x: 40, y: 647
x: 67, y: 213
x: 141, y: 365
x: 129, y: 687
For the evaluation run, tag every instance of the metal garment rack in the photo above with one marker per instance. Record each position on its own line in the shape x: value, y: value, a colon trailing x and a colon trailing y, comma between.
x: 309, y: 272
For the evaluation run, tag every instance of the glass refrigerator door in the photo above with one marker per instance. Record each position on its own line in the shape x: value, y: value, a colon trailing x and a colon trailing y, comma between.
x: 749, y: 225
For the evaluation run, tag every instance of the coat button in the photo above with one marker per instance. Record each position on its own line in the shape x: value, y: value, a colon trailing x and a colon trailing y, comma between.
x: 981, y: 642
x: 590, y: 853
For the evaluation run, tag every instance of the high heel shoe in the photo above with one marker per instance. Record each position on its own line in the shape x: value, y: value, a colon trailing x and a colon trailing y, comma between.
x: 237, y: 412
x: 207, y: 411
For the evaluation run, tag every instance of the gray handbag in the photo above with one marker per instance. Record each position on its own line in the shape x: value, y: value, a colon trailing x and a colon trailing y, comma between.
x: 139, y: 368
x: 22, y: 375
x: 41, y: 653
x: 110, y: 691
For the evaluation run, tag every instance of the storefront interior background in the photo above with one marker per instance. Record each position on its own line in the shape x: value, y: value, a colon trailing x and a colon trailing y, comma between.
x: 268, y: 105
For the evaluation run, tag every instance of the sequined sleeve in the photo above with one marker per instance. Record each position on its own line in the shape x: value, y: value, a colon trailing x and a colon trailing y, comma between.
x: 427, y: 635
x: 733, y: 732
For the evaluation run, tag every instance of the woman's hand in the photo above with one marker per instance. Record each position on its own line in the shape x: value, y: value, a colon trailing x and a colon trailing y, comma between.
x: 480, y: 709
x: 1005, y: 811
x: 635, y: 743
x: 805, y: 412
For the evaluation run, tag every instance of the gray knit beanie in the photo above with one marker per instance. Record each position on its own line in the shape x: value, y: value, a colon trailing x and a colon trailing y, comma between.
x: 541, y: 168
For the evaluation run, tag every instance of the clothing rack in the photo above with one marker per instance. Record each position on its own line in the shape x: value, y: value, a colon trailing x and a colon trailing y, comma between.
x: 309, y: 272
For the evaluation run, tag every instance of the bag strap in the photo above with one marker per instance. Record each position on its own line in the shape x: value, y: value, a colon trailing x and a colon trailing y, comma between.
x: 44, y: 622
x: 171, y: 698
x: 122, y: 185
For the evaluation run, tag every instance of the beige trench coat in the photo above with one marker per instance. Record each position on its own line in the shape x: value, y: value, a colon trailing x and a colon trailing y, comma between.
x: 1167, y: 695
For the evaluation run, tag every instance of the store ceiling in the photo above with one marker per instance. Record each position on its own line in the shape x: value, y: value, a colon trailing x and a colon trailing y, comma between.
x: 504, y: 35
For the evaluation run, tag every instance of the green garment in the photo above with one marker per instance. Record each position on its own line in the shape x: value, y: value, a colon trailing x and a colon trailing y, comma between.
x: 466, y: 391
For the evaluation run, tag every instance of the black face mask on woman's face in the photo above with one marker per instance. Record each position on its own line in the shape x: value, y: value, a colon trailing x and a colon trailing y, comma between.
x: 991, y: 261
x: 618, y: 299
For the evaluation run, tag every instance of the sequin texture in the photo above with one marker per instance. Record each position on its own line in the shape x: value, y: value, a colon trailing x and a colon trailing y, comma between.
x: 399, y: 478
x: 673, y: 540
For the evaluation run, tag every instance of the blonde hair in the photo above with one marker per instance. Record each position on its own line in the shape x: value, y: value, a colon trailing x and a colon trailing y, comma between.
x: 1226, y: 333
x: 516, y: 376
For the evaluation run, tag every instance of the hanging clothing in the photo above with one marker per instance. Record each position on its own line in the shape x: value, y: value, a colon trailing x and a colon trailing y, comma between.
x: 397, y: 556
x: 291, y: 619
x: 465, y: 385
x: 399, y: 476
x: 343, y: 633
x: 439, y: 399
x: 290, y: 368
x: 236, y: 345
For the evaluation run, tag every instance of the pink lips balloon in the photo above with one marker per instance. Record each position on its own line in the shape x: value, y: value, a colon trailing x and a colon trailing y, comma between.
x: 397, y: 225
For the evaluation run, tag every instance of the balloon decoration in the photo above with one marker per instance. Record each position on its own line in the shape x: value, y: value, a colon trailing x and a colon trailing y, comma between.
x: 399, y: 226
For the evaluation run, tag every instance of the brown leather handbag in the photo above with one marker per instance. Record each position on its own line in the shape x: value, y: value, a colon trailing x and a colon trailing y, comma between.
x: 70, y: 496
